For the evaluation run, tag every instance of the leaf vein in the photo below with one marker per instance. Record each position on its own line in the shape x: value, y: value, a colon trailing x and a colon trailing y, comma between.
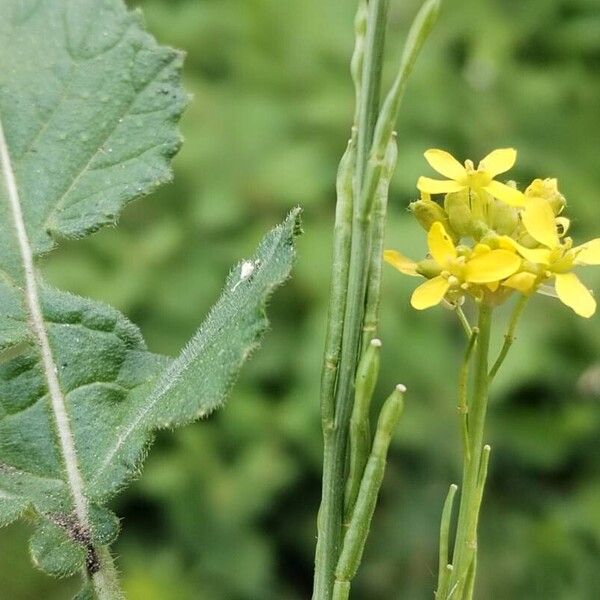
x: 62, y: 198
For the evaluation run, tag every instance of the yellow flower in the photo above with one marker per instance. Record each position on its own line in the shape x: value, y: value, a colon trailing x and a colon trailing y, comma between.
x: 555, y: 259
x: 467, y: 177
x: 548, y: 190
x: 454, y: 272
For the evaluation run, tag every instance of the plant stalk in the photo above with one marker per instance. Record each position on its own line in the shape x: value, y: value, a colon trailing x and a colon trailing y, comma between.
x: 336, y: 433
x: 374, y: 160
x: 465, y: 547
x: 106, y: 580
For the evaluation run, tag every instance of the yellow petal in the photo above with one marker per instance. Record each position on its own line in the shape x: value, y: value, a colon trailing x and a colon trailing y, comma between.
x: 540, y: 222
x: 493, y: 286
x: 588, y: 253
x: 435, y: 186
x: 430, y: 293
x: 574, y: 294
x: 492, y: 266
x: 441, y: 246
x: 510, y: 195
x: 498, y: 161
x: 522, y: 282
x: 444, y: 163
x: 401, y: 262
x: 538, y: 256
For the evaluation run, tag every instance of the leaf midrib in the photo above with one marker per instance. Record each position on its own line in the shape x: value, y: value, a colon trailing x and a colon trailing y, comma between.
x: 37, y: 326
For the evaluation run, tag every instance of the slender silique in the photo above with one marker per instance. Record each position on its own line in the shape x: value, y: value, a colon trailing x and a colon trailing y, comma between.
x: 356, y: 269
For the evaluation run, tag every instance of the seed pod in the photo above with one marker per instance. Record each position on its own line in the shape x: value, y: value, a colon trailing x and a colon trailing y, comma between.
x: 356, y: 535
x: 360, y: 434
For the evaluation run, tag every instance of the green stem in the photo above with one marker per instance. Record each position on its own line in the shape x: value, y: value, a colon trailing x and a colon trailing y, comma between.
x: 374, y: 138
x: 370, y: 84
x: 509, y: 337
x: 463, y: 408
x: 463, y: 321
x: 465, y: 546
x: 351, y: 312
x: 333, y: 343
x: 469, y: 585
x: 106, y: 579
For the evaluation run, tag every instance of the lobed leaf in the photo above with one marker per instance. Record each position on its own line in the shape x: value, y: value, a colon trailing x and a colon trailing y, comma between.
x: 88, y: 110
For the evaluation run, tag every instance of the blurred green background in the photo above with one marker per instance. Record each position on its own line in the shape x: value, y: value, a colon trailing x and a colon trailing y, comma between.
x: 225, y: 509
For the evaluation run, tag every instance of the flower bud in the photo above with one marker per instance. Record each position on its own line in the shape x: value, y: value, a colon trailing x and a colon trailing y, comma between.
x: 504, y: 219
x: 458, y: 209
x: 427, y: 212
x: 428, y: 268
x: 548, y: 190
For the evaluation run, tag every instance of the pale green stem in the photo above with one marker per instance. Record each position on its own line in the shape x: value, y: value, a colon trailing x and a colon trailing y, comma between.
x: 463, y: 407
x: 369, y: 85
x: 465, y: 543
x: 463, y: 321
x: 106, y: 579
x: 509, y: 337
x: 349, y: 312
x: 443, y: 571
x: 337, y: 302
x: 341, y: 590
x: 472, y: 537
x: 370, y: 164
x: 470, y: 584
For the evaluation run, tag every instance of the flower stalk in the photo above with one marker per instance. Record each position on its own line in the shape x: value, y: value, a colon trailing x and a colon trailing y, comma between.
x: 465, y: 547
x: 487, y: 241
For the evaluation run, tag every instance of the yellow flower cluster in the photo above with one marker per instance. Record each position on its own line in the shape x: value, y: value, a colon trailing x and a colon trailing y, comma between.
x: 488, y: 240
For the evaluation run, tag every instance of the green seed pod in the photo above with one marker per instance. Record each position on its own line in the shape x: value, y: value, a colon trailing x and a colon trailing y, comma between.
x: 360, y: 431
x: 358, y: 529
x: 458, y: 209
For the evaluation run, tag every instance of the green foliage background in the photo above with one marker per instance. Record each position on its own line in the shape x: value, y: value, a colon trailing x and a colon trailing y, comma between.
x: 225, y: 509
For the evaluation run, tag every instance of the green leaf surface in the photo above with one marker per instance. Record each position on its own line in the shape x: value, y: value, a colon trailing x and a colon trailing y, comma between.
x: 88, y: 110
x: 198, y: 381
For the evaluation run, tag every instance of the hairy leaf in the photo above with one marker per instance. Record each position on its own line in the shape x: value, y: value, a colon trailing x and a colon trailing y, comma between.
x: 88, y: 111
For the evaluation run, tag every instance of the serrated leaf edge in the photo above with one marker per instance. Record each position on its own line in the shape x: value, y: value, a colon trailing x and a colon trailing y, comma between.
x: 174, y: 371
